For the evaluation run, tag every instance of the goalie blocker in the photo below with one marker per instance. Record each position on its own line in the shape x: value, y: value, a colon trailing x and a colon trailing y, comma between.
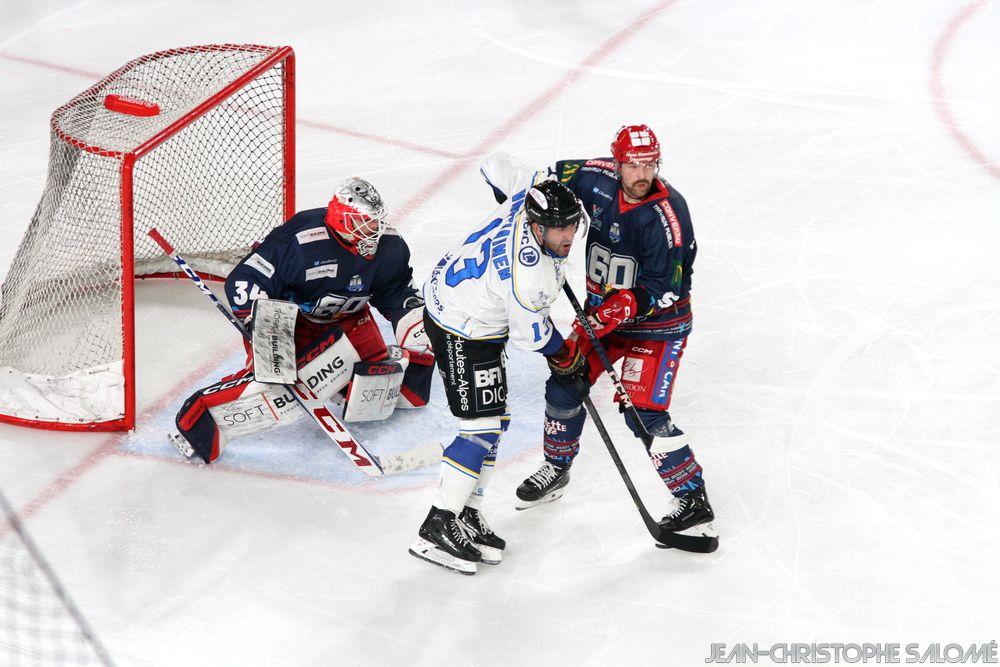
x: 347, y: 353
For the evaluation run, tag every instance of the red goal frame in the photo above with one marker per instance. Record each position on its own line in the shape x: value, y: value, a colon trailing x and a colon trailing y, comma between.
x: 277, y: 55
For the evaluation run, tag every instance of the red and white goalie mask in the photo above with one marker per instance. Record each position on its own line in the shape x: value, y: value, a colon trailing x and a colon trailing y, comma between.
x: 357, y: 214
x: 636, y: 144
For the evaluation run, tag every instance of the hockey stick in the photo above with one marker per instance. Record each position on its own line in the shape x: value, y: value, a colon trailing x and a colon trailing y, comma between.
x: 368, y: 463
x: 695, y: 543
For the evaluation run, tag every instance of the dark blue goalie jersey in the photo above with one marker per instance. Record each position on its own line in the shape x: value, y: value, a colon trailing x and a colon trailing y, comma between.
x: 304, y: 262
x: 647, y: 247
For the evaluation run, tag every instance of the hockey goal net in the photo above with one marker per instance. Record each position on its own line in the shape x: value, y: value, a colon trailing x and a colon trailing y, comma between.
x: 197, y: 142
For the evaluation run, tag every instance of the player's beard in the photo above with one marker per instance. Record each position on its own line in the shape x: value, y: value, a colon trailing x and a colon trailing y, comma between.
x: 638, y: 189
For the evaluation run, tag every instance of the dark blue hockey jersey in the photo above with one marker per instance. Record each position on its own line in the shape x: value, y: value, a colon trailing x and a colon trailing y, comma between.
x: 645, y: 246
x: 303, y: 261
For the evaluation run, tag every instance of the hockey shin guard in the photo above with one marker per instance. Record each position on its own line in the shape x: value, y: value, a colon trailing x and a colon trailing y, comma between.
x: 476, y: 499
x: 463, y: 459
x: 562, y: 434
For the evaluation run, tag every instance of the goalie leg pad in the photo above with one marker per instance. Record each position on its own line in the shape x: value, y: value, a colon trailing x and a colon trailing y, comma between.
x: 234, y: 406
x: 416, y: 389
x: 374, y: 390
x: 326, y: 361
x: 410, y: 331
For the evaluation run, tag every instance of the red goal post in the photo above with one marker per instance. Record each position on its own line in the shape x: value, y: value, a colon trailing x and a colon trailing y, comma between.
x: 196, y: 141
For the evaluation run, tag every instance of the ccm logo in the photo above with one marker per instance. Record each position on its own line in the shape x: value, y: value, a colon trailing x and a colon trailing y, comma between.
x: 228, y: 385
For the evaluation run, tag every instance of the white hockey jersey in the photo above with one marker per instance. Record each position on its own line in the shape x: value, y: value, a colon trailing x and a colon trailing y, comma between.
x: 499, y: 283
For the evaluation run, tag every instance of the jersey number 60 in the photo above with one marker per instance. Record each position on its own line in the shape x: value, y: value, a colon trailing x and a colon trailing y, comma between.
x: 605, y: 268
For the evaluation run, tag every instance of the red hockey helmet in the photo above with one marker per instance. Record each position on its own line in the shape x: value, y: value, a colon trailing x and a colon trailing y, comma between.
x: 635, y: 143
x: 357, y: 214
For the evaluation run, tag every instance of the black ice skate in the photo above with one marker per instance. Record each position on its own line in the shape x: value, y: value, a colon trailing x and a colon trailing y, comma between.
x: 444, y: 542
x: 489, y: 543
x: 692, y: 515
x: 544, y: 486
x: 183, y: 447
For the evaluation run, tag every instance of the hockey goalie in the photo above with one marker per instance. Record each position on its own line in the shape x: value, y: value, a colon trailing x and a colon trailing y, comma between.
x: 306, y: 293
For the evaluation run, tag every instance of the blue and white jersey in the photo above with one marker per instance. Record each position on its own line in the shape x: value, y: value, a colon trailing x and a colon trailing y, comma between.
x: 499, y: 284
x: 304, y: 262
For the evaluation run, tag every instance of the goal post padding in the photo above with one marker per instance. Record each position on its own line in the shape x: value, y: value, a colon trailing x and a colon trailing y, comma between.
x: 197, y: 142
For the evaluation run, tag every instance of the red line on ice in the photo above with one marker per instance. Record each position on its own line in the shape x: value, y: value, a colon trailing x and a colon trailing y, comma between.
x: 107, y: 448
x: 937, y: 89
x: 606, y: 47
x: 517, y: 119
x: 326, y: 127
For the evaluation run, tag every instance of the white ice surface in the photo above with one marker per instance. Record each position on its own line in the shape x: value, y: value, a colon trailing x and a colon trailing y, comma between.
x: 841, y: 388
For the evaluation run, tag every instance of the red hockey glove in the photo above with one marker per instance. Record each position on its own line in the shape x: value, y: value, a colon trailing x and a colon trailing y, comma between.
x: 618, y: 306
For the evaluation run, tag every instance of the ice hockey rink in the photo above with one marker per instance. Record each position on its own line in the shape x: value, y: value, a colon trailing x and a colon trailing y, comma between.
x: 841, y: 387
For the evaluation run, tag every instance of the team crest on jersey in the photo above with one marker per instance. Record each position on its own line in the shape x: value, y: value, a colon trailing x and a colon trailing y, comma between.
x: 528, y: 256
x: 615, y: 232
x: 355, y: 284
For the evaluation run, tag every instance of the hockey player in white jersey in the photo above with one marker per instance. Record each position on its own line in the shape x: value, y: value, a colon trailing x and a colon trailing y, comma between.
x: 497, y: 286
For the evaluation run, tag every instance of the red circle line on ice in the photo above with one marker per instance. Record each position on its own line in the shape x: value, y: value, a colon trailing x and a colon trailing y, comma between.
x: 937, y: 89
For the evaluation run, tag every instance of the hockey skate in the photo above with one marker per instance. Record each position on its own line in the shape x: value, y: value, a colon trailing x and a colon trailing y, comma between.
x: 443, y: 542
x: 490, y: 544
x: 692, y: 515
x: 183, y: 447
x: 543, y: 487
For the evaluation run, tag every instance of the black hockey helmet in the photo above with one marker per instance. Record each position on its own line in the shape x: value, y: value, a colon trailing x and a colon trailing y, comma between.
x: 552, y: 204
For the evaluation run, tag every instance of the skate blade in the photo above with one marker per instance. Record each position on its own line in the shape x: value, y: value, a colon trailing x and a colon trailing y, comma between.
x: 491, y: 555
x: 430, y: 552
x: 544, y: 500
x: 182, y: 446
x: 701, y: 530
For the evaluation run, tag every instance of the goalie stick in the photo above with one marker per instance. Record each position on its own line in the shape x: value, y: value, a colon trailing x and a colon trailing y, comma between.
x: 666, y: 538
x: 368, y: 463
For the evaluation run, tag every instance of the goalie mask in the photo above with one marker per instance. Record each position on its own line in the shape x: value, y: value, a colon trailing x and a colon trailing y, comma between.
x: 357, y: 214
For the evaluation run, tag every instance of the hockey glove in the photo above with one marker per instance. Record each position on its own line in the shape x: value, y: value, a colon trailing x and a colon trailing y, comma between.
x: 569, y: 365
x: 618, y: 306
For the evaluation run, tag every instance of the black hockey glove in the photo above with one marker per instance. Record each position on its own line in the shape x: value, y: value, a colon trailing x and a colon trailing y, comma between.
x: 569, y: 365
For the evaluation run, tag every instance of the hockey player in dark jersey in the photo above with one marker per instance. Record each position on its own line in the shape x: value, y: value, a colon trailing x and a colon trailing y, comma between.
x: 639, y: 258
x: 333, y: 263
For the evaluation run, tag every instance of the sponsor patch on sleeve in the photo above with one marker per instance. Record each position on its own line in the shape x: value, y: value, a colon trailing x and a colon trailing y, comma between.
x: 310, y: 235
x: 257, y: 262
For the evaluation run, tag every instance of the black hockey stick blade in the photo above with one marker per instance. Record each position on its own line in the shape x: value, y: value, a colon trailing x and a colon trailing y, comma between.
x: 665, y: 538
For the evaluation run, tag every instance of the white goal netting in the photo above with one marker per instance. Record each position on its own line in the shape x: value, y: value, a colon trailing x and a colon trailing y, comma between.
x: 211, y: 169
